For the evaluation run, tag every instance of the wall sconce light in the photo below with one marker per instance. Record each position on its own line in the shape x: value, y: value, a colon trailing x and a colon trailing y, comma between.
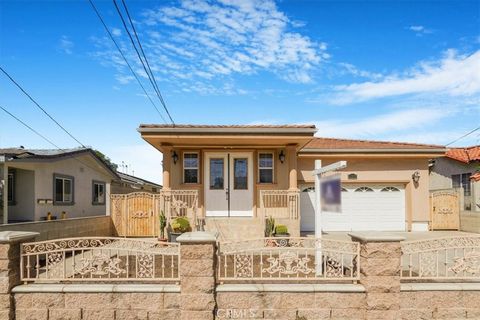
x: 416, y: 176
x: 281, y: 157
x: 174, y: 157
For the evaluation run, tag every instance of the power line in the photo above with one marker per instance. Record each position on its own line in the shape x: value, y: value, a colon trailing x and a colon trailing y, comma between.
x: 466, y: 134
x: 36, y: 103
x: 143, y: 52
x: 43, y: 137
x: 125, y: 59
x: 29, y: 127
x: 150, y: 76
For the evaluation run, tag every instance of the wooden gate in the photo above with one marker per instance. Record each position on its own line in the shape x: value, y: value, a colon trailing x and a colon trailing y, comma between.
x: 137, y: 214
x: 444, y: 210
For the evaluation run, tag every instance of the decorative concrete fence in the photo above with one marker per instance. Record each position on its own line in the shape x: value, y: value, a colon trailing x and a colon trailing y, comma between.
x: 198, y: 292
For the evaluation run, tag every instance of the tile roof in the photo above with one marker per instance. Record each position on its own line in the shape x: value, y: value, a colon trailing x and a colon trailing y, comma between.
x: 39, y: 152
x: 475, y: 176
x: 208, y: 126
x: 465, y: 155
x: 331, y: 143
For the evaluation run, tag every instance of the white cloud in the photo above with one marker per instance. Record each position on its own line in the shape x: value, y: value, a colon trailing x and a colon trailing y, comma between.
x: 354, y: 71
x: 66, y: 45
x: 116, y: 32
x: 419, y: 30
x: 193, y: 42
x: 383, y: 124
x: 453, y: 75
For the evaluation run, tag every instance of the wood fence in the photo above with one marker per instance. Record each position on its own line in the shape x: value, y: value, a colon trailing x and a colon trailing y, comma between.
x: 137, y: 214
x: 444, y: 210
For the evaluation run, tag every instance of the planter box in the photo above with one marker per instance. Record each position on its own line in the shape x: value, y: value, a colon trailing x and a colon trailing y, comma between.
x: 172, y: 236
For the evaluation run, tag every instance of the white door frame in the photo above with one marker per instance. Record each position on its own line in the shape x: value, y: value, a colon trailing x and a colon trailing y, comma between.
x: 228, y: 202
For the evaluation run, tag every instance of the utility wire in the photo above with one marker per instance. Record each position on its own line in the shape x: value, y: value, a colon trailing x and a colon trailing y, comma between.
x: 125, y: 59
x: 141, y: 49
x: 36, y: 103
x: 150, y: 78
x: 466, y: 134
x: 43, y: 137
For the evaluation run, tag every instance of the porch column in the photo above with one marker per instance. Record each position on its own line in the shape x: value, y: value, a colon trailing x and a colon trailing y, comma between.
x: 5, y: 193
x: 292, y: 166
x: 167, y: 166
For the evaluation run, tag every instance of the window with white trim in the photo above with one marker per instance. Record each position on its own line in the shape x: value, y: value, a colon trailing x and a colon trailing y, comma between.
x: 11, y: 188
x: 62, y: 189
x: 265, y: 167
x: 190, y: 167
x: 98, y: 193
x: 462, y: 181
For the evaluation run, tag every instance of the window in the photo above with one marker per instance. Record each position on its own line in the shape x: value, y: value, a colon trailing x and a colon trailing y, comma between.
x: 344, y: 190
x: 62, y: 190
x: 98, y: 193
x: 364, y: 189
x: 240, y: 174
x: 216, y: 174
x: 265, y: 167
x: 390, y: 189
x: 190, y: 168
x: 462, y: 181
x: 11, y: 188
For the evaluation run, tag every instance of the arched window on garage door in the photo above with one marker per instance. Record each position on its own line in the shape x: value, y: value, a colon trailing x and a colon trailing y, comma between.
x: 390, y: 189
x: 364, y: 189
x: 308, y: 189
x: 344, y: 190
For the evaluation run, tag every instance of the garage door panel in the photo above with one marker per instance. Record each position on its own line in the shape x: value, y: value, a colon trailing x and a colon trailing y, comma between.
x: 361, y: 211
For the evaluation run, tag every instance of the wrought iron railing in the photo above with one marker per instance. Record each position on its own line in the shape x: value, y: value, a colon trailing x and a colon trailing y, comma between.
x: 99, y: 259
x: 445, y: 259
x: 280, y: 204
x: 288, y: 259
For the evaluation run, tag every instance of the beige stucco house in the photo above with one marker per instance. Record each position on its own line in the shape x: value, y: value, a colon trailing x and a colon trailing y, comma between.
x: 459, y: 169
x: 244, y: 173
x: 35, y: 182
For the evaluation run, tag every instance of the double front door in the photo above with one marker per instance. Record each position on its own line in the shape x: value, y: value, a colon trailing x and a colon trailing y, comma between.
x: 228, y: 184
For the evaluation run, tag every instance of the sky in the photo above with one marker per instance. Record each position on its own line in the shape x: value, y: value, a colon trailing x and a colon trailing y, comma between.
x: 378, y: 70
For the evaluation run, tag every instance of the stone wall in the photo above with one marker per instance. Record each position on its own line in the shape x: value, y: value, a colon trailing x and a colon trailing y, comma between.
x: 78, y: 304
x: 100, y: 226
x: 379, y: 295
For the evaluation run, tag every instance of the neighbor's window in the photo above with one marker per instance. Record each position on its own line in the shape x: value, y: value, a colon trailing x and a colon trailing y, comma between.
x: 190, y: 168
x: 98, y: 192
x: 11, y: 188
x: 265, y: 167
x: 462, y: 181
x: 63, y: 189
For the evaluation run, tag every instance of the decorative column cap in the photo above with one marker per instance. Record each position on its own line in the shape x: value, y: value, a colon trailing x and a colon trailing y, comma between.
x: 376, y: 236
x: 197, y: 237
x: 16, y: 236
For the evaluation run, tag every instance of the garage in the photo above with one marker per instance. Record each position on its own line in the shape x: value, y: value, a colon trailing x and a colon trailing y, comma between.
x: 364, y: 207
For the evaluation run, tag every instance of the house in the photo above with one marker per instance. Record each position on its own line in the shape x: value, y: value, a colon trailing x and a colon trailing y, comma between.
x: 128, y: 183
x: 36, y: 182
x: 459, y: 168
x: 244, y: 173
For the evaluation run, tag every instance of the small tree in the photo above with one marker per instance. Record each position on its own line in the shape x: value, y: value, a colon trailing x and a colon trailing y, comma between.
x: 163, y: 224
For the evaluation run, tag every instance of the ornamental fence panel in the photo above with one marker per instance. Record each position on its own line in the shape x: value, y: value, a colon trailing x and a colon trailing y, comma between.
x: 288, y: 259
x: 446, y: 259
x: 99, y: 259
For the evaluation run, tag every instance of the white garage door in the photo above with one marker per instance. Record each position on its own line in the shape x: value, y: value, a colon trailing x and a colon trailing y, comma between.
x: 364, y: 207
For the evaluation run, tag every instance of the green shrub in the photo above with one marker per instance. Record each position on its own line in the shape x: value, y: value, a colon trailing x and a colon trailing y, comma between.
x: 281, y: 229
x: 269, y: 227
x: 180, y: 225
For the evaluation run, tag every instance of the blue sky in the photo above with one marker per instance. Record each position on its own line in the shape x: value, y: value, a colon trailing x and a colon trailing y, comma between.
x: 381, y: 70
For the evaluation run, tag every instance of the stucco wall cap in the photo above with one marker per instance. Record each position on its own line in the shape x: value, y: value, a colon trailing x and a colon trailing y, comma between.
x: 95, y: 288
x: 15, y: 236
x: 197, y: 237
x: 293, y: 287
x: 375, y: 236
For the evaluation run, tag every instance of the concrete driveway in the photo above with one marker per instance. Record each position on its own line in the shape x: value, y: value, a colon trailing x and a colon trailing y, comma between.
x: 409, y: 236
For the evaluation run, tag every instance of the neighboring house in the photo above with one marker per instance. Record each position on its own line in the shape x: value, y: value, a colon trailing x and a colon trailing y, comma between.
x: 459, y: 168
x: 35, y: 182
x: 245, y: 173
x: 128, y: 183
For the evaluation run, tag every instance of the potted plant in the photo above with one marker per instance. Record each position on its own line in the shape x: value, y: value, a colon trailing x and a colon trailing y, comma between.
x: 163, y: 224
x: 281, y: 231
x: 178, y: 225
x: 269, y: 231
